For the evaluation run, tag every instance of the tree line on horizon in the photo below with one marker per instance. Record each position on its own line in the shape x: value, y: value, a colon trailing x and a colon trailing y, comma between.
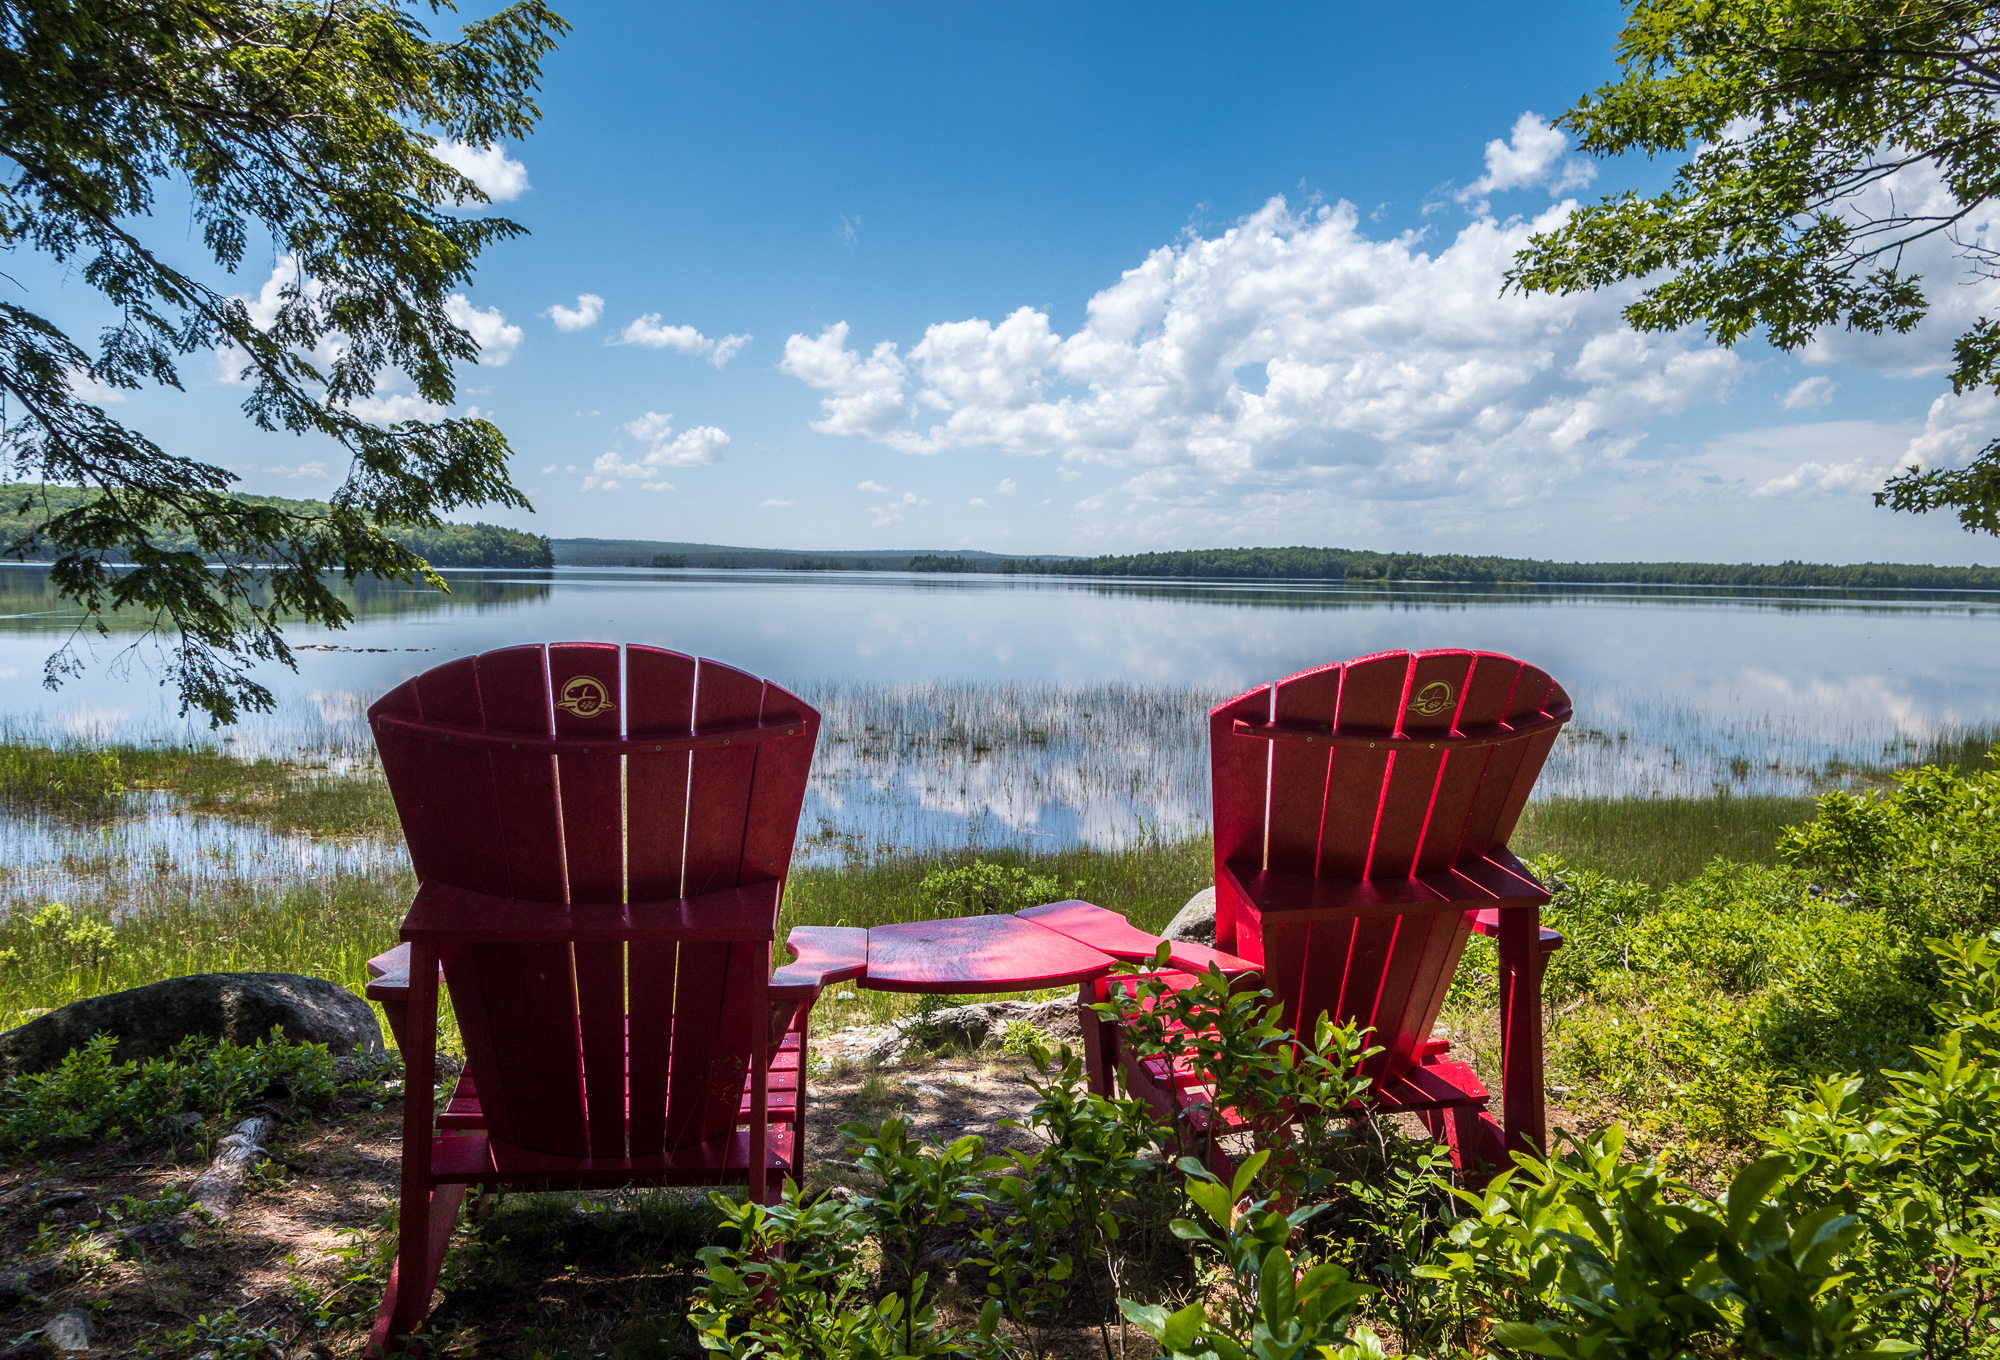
x: 24, y: 507
x: 1352, y: 564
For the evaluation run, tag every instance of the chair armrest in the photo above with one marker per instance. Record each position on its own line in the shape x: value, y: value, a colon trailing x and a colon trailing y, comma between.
x: 1488, y: 923
x: 1109, y: 933
x: 822, y: 955
x: 453, y: 915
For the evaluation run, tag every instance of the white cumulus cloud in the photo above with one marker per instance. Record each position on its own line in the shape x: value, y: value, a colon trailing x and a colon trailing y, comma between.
x: 696, y: 447
x: 499, y: 176
x: 589, y: 307
x: 651, y: 332
x: 1809, y: 395
x: 497, y: 340
x: 1275, y: 373
x: 1535, y: 154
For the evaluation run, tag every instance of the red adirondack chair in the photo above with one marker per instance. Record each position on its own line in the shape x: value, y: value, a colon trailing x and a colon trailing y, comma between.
x: 1362, y: 813
x: 600, y: 838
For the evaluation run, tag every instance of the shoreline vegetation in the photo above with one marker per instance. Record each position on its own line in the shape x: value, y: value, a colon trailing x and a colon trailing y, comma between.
x: 1286, y: 564
x: 25, y: 506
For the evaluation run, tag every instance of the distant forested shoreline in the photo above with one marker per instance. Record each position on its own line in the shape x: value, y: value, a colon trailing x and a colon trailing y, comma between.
x: 25, y: 506
x: 1349, y: 564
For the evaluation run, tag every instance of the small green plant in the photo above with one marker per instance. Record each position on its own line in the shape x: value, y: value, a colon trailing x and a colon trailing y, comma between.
x: 922, y: 1190
x: 1061, y: 1208
x: 1021, y: 1038
x: 1300, y: 1100
x: 56, y: 940
x: 1262, y: 1304
x: 791, y: 1287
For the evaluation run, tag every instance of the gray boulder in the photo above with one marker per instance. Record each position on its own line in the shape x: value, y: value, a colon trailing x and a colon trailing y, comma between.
x: 68, y: 1333
x: 240, y: 1007
x: 1195, y: 922
x: 973, y: 1025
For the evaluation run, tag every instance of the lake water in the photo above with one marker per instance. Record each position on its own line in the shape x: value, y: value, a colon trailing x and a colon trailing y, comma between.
x: 1029, y: 710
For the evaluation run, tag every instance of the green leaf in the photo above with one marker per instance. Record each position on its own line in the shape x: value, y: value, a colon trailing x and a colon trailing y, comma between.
x: 1519, y: 1336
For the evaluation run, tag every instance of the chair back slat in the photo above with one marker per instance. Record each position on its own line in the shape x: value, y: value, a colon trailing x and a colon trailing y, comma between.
x: 1485, y: 828
x: 440, y: 787
x: 778, y: 792
x: 1428, y: 705
x: 1482, y: 704
x: 708, y: 1056
x: 588, y: 700
x: 659, y: 702
x: 1345, y: 959
x: 1297, y: 790
x: 526, y: 834
x: 1353, y: 812
x: 721, y: 779
x: 599, y: 1050
x: 1239, y: 773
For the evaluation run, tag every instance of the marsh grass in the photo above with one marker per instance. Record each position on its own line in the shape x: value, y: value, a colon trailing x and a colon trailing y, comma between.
x: 317, y: 793
x: 1658, y: 840
x: 327, y: 928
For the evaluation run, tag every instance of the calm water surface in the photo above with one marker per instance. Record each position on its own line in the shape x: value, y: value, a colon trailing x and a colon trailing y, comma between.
x: 1076, y: 705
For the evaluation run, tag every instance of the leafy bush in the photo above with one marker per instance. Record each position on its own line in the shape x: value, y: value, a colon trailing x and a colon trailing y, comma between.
x: 55, y: 941
x: 89, y: 1095
x: 980, y: 888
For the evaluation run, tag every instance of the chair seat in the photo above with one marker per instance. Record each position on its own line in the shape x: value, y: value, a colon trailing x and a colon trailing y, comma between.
x: 477, y: 1159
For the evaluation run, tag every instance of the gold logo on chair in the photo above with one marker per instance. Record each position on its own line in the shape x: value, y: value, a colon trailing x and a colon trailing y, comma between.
x: 586, y: 697
x: 1433, y: 699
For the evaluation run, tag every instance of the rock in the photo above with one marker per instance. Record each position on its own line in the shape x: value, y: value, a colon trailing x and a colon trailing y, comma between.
x: 68, y: 1332
x: 241, y: 1007
x: 1195, y: 922
x: 33, y: 1278
x: 970, y: 1026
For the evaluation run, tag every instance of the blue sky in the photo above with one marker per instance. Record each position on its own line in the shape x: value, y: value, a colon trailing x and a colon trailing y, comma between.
x: 1078, y: 279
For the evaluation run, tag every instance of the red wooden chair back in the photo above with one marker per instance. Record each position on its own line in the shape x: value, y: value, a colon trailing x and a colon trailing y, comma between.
x: 599, y: 1050
x: 1392, y: 780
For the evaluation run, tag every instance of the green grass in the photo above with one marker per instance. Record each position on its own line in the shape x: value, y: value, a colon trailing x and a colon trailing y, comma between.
x: 286, y: 795
x: 326, y: 928
x: 1657, y: 840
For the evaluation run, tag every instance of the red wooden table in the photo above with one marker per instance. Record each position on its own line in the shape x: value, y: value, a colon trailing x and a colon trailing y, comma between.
x: 1044, y: 946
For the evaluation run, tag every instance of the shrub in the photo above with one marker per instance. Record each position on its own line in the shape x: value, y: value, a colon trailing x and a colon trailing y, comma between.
x: 979, y: 888
x: 90, y: 1096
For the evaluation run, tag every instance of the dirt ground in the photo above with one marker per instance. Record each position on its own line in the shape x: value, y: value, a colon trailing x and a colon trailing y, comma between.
x: 295, y: 1271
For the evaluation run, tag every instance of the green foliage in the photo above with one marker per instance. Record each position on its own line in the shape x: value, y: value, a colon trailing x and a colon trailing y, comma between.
x: 55, y: 940
x: 1858, y: 1228
x: 1297, y: 1097
x: 441, y: 545
x: 1792, y: 115
x: 791, y: 1287
x: 1263, y: 1303
x: 1926, y: 854
x: 74, y: 779
x: 89, y: 1095
x: 304, y: 131
x: 923, y: 1189
x: 980, y: 888
x: 1356, y: 564
x: 1059, y: 1210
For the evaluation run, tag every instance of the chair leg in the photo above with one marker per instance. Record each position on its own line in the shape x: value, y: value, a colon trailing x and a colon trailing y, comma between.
x: 799, y: 1101
x: 1100, y: 1039
x: 422, y: 1229
x: 1522, y: 1112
